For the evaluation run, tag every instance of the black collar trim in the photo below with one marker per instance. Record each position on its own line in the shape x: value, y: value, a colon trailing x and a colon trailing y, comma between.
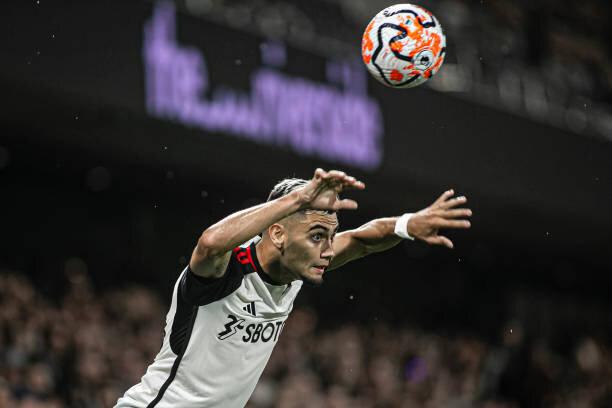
x: 263, y: 275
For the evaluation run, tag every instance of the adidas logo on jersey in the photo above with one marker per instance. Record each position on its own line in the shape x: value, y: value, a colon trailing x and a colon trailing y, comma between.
x: 250, y: 309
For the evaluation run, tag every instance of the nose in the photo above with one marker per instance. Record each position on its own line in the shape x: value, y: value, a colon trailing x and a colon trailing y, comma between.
x: 328, y: 250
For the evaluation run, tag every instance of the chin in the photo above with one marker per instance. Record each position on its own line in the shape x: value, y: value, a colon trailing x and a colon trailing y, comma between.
x: 312, y: 280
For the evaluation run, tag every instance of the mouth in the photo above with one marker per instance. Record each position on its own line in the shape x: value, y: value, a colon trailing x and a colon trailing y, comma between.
x: 320, y: 268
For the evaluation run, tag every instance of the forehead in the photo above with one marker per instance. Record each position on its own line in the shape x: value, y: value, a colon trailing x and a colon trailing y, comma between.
x: 312, y: 218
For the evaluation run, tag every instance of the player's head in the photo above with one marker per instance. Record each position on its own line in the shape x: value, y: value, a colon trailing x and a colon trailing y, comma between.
x: 303, y: 239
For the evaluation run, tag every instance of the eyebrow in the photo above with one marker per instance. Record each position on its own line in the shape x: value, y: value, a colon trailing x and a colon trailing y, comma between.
x: 316, y: 226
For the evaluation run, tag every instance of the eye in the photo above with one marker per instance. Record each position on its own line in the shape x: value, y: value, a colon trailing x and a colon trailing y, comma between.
x: 316, y: 237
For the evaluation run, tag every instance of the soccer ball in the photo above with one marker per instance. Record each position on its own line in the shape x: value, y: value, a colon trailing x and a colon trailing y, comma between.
x: 403, y: 46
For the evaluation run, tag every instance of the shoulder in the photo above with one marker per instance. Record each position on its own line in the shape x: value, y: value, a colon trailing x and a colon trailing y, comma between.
x: 200, y: 291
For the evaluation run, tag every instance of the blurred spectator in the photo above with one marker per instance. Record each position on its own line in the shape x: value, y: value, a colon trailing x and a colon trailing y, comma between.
x: 87, y: 349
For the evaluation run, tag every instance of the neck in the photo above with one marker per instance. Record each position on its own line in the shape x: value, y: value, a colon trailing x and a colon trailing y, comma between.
x: 269, y: 258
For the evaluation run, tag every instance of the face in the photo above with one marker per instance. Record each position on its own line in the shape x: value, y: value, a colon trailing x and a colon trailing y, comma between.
x: 308, y: 246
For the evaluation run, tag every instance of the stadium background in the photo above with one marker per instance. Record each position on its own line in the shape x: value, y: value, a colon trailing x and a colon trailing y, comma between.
x: 108, y: 174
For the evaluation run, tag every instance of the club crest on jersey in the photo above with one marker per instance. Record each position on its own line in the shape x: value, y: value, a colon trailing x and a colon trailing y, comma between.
x: 254, y: 332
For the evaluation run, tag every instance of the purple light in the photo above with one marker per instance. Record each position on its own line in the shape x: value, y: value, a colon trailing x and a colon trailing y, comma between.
x: 312, y: 118
x: 273, y: 53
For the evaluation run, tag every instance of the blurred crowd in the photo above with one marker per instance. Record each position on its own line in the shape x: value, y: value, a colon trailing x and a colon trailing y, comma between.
x: 80, y: 351
x: 546, y: 59
x: 86, y: 349
x: 562, y: 47
x: 558, y: 52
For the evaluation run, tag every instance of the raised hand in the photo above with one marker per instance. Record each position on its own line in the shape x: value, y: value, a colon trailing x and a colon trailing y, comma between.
x: 321, y: 193
x: 443, y: 213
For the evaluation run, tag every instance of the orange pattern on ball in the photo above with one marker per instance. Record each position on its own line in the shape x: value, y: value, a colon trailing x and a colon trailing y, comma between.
x: 396, y: 75
x: 367, y: 44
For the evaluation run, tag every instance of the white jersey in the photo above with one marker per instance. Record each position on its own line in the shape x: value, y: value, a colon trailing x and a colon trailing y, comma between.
x: 219, y: 336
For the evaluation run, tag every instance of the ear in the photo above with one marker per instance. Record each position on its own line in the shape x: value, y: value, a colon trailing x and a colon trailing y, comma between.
x: 278, y: 235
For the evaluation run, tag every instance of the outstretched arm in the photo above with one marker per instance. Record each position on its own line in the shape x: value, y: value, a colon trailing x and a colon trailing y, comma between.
x: 212, y: 252
x: 379, y: 234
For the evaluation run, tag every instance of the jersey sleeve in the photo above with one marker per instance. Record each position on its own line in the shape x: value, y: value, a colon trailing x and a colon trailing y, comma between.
x: 199, y: 291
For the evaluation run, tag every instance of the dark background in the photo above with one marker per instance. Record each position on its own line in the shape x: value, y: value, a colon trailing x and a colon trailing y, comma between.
x: 87, y: 173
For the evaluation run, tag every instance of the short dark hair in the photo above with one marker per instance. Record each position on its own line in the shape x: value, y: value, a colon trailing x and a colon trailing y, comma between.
x: 286, y: 186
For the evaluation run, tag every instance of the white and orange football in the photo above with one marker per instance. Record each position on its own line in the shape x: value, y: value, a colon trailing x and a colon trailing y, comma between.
x: 403, y: 46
